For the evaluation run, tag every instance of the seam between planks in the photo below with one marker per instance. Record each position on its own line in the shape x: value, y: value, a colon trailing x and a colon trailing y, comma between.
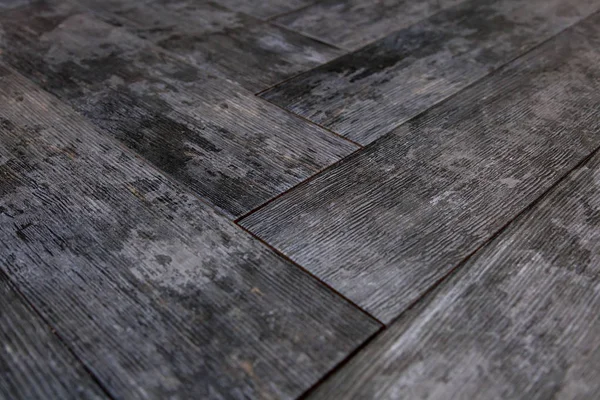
x: 272, y: 17
x: 55, y: 333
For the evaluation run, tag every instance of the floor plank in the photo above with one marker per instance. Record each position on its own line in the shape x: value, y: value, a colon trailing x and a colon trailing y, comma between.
x: 388, y: 222
x: 366, y: 94
x: 160, y: 296
x: 519, y: 321
x: 230, y: 147
x: 33, y: 362
x: 265, y: 9
x: 253, y: 53
x: 352, y: 24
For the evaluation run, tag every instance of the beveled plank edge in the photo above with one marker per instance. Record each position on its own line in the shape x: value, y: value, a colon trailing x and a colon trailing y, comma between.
x: 53, y: 333
x: 489, y: 73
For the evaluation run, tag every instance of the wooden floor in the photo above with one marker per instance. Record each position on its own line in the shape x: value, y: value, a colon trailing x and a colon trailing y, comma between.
x: 316, y: 199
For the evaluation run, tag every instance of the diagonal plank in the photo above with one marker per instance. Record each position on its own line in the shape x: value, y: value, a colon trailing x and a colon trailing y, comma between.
x: 519, y: 321
x: 228, y: 43
x: 351, y: 24
x: 365, y: 94
x: 156, y: 293
x: 228, y: 146
x: 388, y: 222
x: 33, y: 362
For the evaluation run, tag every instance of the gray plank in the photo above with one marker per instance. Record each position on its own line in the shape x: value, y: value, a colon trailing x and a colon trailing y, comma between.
x: 159, y: 296
x: 366, y: 94
x: 519, y: 321
x: 253, y: 53
x: 352, y: 24
x: 230, y: 147
x: 265, y: 9
x: 387, y: 223
x: 33, y: 362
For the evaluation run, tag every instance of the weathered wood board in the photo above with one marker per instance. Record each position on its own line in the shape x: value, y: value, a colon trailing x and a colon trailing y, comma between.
x: 157, y: 294
x: 521, y: 320
x: 366, y: 94
x: 34, y: 364
x: 352, y: 24
x: 228, y: 146
x: 384, y: 225
x: 243, y: 49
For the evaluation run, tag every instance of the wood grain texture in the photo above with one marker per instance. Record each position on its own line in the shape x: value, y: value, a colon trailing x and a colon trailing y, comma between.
x: 388, y: 222
x: 519, y: 321
x: 228, y: 146
x: 366, y: 94
x: 253, y: 53
x: 157, y: 294
x: 34, y: 364
x: 265, y: 9
x: 352, y: 24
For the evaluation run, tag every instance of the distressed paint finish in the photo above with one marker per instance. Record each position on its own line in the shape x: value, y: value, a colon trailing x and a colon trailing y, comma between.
x: 34, y: 364
x: 157, y: 294
x: 352, y: 24
x: 253, y: 53
x: 519, y: 321
x: 365, y: 94
x: 387, y: 223
x: 224, y: 143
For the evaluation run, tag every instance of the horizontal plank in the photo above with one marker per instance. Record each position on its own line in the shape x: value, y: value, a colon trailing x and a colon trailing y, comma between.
x: 228, y: 146
x: 519, y: 321
x: 34, y: 364
x: 253, y: 53
x: 352, y: 24
x: 365, y: 94
x: 157, y: 294
x: 384, y: 225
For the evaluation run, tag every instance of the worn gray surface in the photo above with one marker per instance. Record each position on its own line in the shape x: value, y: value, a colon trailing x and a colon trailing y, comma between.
x: 243, y: 49
x: 158, y: 295
x: 265, y: 9
x: 365, y: 94
x: 521, y: 320
x: 387, y: 223
x: 228, y: 146
x: 351, y: 24
x: 34, y: 364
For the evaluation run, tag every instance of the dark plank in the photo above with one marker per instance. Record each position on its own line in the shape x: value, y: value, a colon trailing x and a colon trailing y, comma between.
x: 519, y: 321
x: 387, y: 223
x: 366, y: 94
x: 351, y: 24
x: 157, y: 294
x: 33, y: 362
x: 253, y: 53
x: 265, y: 9
x: 227, y: 145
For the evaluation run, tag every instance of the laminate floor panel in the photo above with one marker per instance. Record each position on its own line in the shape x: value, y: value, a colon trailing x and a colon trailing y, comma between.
x: 157, y: 294
x: 386, y: 224
x: 518, y: 321
x: 230, y: 147
x: 367, y: 93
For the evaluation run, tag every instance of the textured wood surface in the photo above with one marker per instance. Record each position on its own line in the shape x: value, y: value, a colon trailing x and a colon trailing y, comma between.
x: 351, y: 24
x: 519, y: 321
x: 387, y: 223
x: 253, y: 53
x: 228, y: 146
x: 265, y: 9
x: 366, y: 94
x: 158, y: 295
x: 34, y: 364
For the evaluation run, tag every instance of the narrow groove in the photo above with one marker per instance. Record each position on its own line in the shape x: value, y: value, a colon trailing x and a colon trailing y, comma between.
x: 307, y: 272
x: 55, y: 333
x: 272, y: 17
x: 342, y: 363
